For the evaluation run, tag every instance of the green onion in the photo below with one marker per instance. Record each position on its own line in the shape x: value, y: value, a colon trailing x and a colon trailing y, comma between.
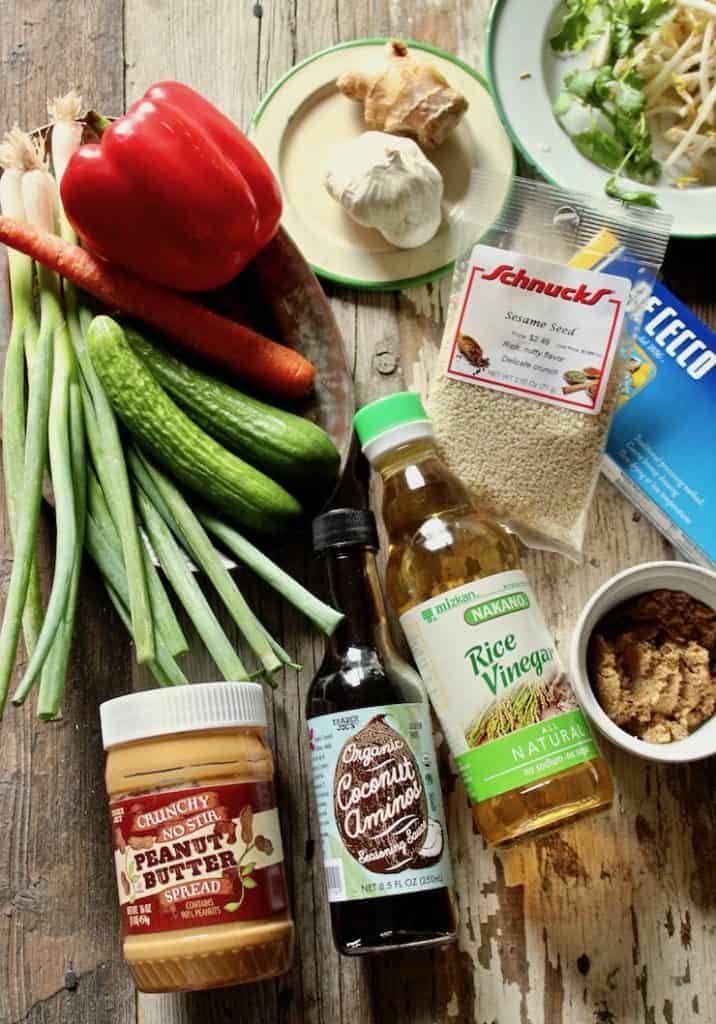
x: 170, y: 503
x: 108, y: 458
x: 54, y: 671
x: 165, y: 620
x: 38, y: 407
x: 164, y: 669
x: 65, y: 112
x: 107, y: 450
x: 173, y: 561
x: 40, y: 198
x: 108, y: 558
x: 21, y: 343
x: 283, y: 655
x: 66, y: 139
x: 321, y: 614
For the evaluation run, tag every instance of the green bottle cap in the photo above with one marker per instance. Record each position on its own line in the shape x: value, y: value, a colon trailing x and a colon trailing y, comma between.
x: 384, y: 414
x: 390, y: 422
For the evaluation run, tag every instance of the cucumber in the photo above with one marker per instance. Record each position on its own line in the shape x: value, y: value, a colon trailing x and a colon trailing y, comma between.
x: 289, y: 448
x: 189, y: 454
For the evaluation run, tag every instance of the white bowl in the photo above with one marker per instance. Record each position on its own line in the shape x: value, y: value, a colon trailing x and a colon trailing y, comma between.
x: 694, y: 580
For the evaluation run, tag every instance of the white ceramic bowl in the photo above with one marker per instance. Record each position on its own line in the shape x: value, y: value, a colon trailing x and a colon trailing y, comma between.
x: 694, y: 580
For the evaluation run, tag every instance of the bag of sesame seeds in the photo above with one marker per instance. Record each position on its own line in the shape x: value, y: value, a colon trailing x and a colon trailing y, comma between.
x: 533, y: 351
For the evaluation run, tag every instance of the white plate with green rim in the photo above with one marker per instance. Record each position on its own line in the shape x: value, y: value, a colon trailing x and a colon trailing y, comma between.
x: 303, y: 115
x: 526, y: 78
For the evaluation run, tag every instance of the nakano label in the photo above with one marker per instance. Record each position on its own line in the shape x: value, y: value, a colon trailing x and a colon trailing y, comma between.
x: 494, y: 609
x: 496, y: 682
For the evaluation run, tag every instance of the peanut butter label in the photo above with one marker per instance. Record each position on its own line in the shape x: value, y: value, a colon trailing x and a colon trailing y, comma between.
x: 190, y: 857
x: 379, y: 802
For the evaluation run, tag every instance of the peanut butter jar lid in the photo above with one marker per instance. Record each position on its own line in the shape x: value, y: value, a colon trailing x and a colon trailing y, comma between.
x: 149, y: 713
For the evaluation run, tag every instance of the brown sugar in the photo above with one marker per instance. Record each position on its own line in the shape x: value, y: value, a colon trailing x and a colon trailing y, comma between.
x: 652, y: 664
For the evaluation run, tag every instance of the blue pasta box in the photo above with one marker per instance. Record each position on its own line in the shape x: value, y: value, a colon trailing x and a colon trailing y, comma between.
x: 661, y: 450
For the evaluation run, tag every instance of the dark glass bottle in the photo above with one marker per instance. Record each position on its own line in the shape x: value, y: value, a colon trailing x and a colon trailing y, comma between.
x: 377, y: 788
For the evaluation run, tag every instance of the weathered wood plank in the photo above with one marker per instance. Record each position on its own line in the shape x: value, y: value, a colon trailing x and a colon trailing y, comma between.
x: 61, y: 957
x: 611, y: 921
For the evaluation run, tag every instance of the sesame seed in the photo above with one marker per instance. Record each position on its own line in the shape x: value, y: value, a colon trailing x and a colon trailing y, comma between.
x: 532, y: 465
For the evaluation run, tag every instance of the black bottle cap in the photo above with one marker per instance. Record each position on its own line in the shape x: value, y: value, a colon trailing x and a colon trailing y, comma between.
x: 343, y: 528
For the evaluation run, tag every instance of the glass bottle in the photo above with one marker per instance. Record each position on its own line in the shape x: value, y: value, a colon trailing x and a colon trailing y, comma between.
x: 376, y: 782
x: 507, y: 710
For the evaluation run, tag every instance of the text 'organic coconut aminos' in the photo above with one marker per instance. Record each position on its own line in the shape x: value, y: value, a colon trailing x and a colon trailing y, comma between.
x: 489, y: 663
x: 376, y: 782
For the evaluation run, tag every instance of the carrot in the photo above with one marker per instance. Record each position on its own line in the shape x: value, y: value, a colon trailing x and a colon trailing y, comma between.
x: 237, y: 348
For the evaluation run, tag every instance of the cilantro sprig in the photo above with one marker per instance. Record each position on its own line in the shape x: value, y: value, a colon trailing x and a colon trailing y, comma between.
x: 627, y: 21
x: 600, y: 108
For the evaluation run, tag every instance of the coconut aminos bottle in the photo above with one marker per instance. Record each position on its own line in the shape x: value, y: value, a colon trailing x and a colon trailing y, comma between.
x: 521, y: 743
x: 376, y: 783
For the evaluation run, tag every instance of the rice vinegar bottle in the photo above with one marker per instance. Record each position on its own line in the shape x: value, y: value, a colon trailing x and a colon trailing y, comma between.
x: 521, y: 743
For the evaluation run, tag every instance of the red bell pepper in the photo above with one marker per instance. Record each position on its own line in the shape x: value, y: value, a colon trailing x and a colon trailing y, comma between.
x: 174, y: 192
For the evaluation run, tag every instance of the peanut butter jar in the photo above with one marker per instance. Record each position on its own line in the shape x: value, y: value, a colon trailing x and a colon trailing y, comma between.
x: 196, y: 837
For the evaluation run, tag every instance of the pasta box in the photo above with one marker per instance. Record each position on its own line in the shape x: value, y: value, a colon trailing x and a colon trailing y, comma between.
x: 660, y: 450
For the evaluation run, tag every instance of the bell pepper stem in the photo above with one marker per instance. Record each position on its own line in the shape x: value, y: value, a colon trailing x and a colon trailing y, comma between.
x: 97, y: 122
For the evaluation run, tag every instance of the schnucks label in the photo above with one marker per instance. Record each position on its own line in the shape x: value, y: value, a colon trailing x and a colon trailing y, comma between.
x: 194, y: 857
x: 538, y: 329
x: 380, y: 807
x: 497, y: 685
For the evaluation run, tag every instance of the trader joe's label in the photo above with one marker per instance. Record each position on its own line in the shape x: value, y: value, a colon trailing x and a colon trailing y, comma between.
x: 194, y: 857
x: 538, y: 329
x: 496, y: 682
x: 379, y: 802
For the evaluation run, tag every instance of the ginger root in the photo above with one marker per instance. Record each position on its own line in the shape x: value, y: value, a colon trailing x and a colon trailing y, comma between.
x: 407, y: 97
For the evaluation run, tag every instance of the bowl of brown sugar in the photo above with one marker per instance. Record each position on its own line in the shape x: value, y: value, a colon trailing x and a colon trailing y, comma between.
x: 643, y: 661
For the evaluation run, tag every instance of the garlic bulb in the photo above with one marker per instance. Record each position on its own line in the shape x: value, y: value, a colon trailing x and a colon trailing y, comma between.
x: 386, y: 182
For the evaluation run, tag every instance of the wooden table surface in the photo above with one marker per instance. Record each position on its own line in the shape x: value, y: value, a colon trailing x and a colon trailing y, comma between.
x: 610, y: 922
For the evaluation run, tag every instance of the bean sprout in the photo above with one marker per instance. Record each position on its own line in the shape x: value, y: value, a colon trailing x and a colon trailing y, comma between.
x: 678, y: 64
